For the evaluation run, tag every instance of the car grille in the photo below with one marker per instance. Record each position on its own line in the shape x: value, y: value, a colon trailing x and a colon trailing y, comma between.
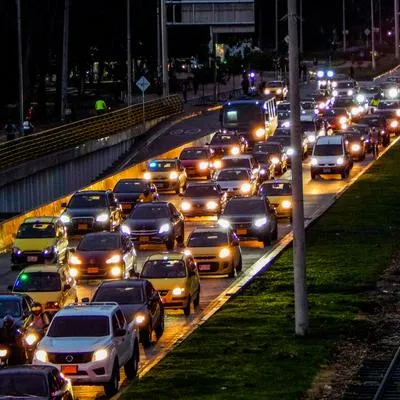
x: 163, y: 292
x: 244, y: 225
x: 213, y: 266
x: 70, y: 358
x: 144, y: 232
x: 327, y: 165
x: 83, y: 220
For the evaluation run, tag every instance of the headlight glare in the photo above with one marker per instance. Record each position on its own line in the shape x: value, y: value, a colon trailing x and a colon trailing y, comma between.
x: 235, y: 151
x: 116, y: 271
x: 260, y: 132
x: 245, y: 188
x: 100, y: 355
x: 125, y: 229
x: 74, y: 272
x: 314, y: 161
x: 185, y: 206
x: 65, y: 219
x: 173, y: 176
x: 224, y: 223
x: 203, y: 165
x: 31, y: 339
x: 286, y: 204
x: 165, y: 228
x: 41, y: 355
x: 178, y: 291
x: 140, y: 318
x: 74, y: 260
x: 340, y: 161
x: 355, y: 147
x: 102, y: 217
x: 116, y: 258
x: 311, y: 138
x: 212, y: 205
x: 147, y: 176
x: 260, y: 222
x: 224, y: 253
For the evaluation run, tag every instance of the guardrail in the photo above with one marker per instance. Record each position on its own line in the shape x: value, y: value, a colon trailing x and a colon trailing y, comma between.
x: 68, y: 136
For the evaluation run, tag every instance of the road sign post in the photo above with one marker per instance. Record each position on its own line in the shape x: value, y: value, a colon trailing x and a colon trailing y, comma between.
x: 143, y: 84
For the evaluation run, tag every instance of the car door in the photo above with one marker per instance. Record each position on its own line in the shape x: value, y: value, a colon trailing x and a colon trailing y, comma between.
x: 127, y: 256
x: 152, y: 305
x: 120, y: 342
x: 271, y: 214
x: 192, y: 277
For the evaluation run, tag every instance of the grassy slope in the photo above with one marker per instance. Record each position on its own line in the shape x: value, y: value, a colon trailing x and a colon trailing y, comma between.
x: 248, y: 350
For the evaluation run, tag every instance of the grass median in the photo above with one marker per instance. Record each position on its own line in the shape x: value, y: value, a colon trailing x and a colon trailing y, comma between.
x: 248, y: 350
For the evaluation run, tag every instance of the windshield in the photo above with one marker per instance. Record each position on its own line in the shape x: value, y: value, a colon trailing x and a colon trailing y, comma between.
x: 208, y: 239
x: 344, y: 103
x: 10, y: 307
x: 233, y: 175
x: 23, y: 384
x: 192, y: 154
x: 308, y: 105
x: 223, y: 140
x: 162, y: 165
x: 79, y: 326
x: 245, y: 206
x: 36, y: 230
x: 242, y: 114
x: 328, y: 150
x: 99, y: 243
x: 121, y: 295
x: 236, y: 163
x: 87, y: 201
x: 274, y: 84
x: 38, y: 282
x: 202, y: 191
x: 163, y: 269
x: 130, y: 187
x: 283, y: 140
x: 267, y: 148
x: 276, y: 189
x: 370, y: 121
x: 283, y: 107
x: 333, y: 113
x: 261, y: 157
x: 282, y: 132
x: 149, y: 212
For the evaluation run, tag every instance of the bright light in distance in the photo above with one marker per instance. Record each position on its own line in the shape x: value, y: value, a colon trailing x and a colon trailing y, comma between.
x: 355, y: 147
x: 330, y: 74
x: 267, y: 91
x: 286, y: 124
x: 65, y: 218
x: 140, y: 318
x: 116, y: 271
x: 262, y: 171
x: 340, y: 161
x: 275, y: 160
x: 185, y: 206
x: 217, y: 164
x: 398, y: 113
x: 41, y: 355
x: 31, y: 338
x: 311, y: 138
x: 286, y: 204
x: 245, y: 188
x: 335, y: 93
x: 394, y: 124
x: 224, y: 223
x: 260, y: 132
x: 73, y: 272
x: 334, y: 84
x: 350, y: 92
x: 393, y: 92
x: 203, y: 165
x: 342, y: 120
x: 125, y: 229
x: 360, y: 98
x: 320, y: 74
x: 3, y: 352
x: 235, y: 151
x: 147, y: 176
x: 74, y: 260
x: 290, y: 151
x: 355, y: 111
x: 279, y: 91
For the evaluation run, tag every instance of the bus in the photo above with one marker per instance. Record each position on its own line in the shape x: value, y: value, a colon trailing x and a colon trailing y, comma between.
x: 254, y: 118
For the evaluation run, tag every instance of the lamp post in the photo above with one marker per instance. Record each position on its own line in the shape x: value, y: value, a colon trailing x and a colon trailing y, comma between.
x: 129, y: 52
x: 396, y: 28
x: 344, y: 26
x: 20, y: 69
x: 372, y: 36
x: 164, y: 48
x: 64, y: 71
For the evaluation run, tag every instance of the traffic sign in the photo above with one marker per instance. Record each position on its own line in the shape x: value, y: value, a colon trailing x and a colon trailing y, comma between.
x: 143, y: 84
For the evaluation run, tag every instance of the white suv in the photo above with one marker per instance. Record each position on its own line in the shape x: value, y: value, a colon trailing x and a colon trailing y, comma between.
x: 89, y: 343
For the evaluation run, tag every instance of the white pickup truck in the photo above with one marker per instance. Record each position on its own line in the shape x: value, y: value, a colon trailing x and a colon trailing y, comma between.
x: 89, y: 343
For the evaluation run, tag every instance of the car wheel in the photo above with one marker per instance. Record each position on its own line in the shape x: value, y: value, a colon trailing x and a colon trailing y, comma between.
x: 111, y: 388
x: 232, y: 273
x: 170, y: 243
x: 132, y: 366
x: 239, y: 265
x: 186, y: 310
x: 196, y: 301
x: 160, y: 327
x: 274, y: 235
x: 145, y: 335
x: 267, y: 240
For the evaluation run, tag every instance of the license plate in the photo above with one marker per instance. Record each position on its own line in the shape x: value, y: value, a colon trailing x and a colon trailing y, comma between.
x: 82, y: 227
x: 242, y: 231
x: 204, y: 267
x: 69, y: 369
x: 143, y: 239
x: 92, y: 270
x: 126, y: 206
x: 326, y: 170
x: 160, y: 185
x: 32, y: 258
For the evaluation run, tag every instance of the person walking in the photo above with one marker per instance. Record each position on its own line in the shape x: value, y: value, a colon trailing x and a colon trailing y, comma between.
x: 100, y: 106
x: 28, y: 127
x: 10, y: 129
x: 245, y: 84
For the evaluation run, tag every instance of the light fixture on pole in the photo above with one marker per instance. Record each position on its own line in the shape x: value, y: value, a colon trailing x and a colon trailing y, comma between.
x: 129, y: 52
x: 20, y: 69
x: 164, y: 49
x: 64, y: 71
x: 372, y: 36
x: 344, y: 26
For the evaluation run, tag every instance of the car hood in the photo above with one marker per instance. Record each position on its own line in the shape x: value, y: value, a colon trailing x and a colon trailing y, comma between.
x: 127, y: 197
x: 191, y: 163
x: 44, y: 297
x: 85, y: 212
x: 146, y: 224
x: 227, y: 185
x: 72, y: 344
x: 34, y: 244
x: 130, y: 310
x: 206, y: 251
x: 200, y: 200
x: 95, y: 257
x: 167, y: 283
x: 242, y: 217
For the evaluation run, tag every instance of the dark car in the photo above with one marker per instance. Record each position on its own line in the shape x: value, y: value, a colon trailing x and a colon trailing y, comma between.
x: 138, y: 300
x: 282, y: 133
x: 251, y: 218
x: 103, y: 255
x: 34, y: 381
x: 386, y: 122
x: 203, y: 199
x: 127, y: 192
x: 276, y: 154
x: 338, y: 118
x: 18, y: 306
x: 91, y: 211
x: 228, y: 143
x: 156, y: 223
x: 198, y: 161
x: 356, y: 143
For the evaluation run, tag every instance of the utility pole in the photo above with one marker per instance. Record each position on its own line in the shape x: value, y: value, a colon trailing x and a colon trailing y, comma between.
x: 380, y: 21
x: 301, y: 27
x: 164, y: 49
x: 372, y: 36
x: 64, y: 70
x: 344, y: 26
x: 158, y: 41
x: 299, y: 264
x: 396, y: 28
x: 129, y: 52
x: 20, y: 70
x: 276, y: 27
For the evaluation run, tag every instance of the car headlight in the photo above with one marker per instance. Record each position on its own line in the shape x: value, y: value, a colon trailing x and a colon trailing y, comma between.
x: 224, y: 253
x: 340, y: 161
x: 360, y: 98
x: 260, y: 132
x: 394, y: 124
x: 147, y: 176
x: 65, y: 219
x: 355, y: 111
x: 350, y: 92
x: 74, y: 260
x: 203, y: 165
x: 41, y: 355
x: 3, y: 352
x: 224, y: 223
x: 279, y: 91
x: 173, y: 176
x: 31, y: 339
x: 355, y: 147
x: 102, y: 217
x: 275, y: 160
x: 178, y: 291
x: 335, y: 93
x: 140, y: 318
x: 320, y: 74
x: 125, y: 229
x: 185, y: 206
x: 342, y: 120
x: 260, y: 222
x: 314, y: 161
x: 100, y: 355
x: 235, y: 151
x: 245, y: 188
x: 392, y: 92
x: 217, y: 164
x: 334, y: 84
x: 74, y: 272
x: 398, y: 113
x: 165, y: 228
x: 263, y: 171
x: 330, y: 74
x: 267, y: 91
x: 116, y: 258
x: 311, y: 138
x: 49, y: 250
x: 290, y: 151
x: 212, y: 205
x: 116, y: 271
x: 16, y: 251
x: 286, y: 204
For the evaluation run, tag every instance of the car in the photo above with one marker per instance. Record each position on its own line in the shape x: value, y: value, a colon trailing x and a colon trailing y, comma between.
x: 19, y: 306
x: 282, y: 137
x: 226, y: 142
x: 203, y: 199
x: 91, y: 211
x: 311, y: 130
x: 139, y: 301
x: 387, y: 121
x: 276, y: 154
x: 309, y: 109
x: 216, y: 250
x: 198, y: 161
x: 351, y: 105
x: 338, y: 118
x: 390, y: 89
x: 236, y: 181
x: 356, y: 144
x: 166, y: 174
x: 50, y: 285
x: 39, y: 240
x: 127, y: 192
x: 103, y: 255
x: 176, y: 278
x: 251, y: 218
x: 267, y: 168
x: 32, y: 381
x: 278, y: 88
x: 346, y: 88
x: 155, y: 223
x: 279, y: 194
x: 330, y: 157
x: 242, y: 161
x: 89, y: 343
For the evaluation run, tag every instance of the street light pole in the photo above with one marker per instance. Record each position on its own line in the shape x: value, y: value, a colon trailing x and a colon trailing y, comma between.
x: 158, y: 41
x: 164, y: 49
x: 372, y: 36
x: 129, y: 52
x: 20, y: 70
x: 301, y: 26
x: 300, y: 287
x: 276, y: 27
x: 396, y: 28
x: 344, y: 26
x: 64, y: 71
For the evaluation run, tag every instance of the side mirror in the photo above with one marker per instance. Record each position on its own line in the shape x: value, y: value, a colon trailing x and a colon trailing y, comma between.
x: 66, y: 287
x: 120, y: 332
x: 10, y: 288
x: 63, y: 205
x: 85, y: 300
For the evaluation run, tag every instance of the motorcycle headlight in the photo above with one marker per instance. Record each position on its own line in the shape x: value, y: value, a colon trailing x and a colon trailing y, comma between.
x: 165, y: 228
x: 74, y: 260
x: 3, y: 352
x: 116, y: 258
x: 286, y: 204
x: 355, y: 147
x: 279, y: 91
x: 74, y: 272
x: 394, y: 124
x: 103, y: 217
x: 224, y: 223
x: 260, y: 222
x: 217, y: 164
x: 65, y: 219
x: 41, y: 355
x: 350, y: 92
x: 125, y: 229
x: 311, y: 138
x: 340, y: 161
x: 260, y: 132
x: 100, y: 355
x: 173, y: 176
x: 289, y: 151
x: 140, y: 318
x: 147, y: 176
x: 235, y: 151
x: 314, y: 161
x: 178, y: 291
x: 245, y: 188
x: 31, y: 339
x: 224, y: 253
x: 203, y: 165
x: 212, y: 205
x: 116, y: 271
x: 275, y: 160
x: 185, y: 206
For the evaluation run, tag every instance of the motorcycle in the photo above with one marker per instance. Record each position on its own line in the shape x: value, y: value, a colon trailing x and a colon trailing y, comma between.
x: 12, y: 353
x: 30, y: 340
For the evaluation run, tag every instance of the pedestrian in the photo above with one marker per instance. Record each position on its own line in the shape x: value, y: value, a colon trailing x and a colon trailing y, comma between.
x: 245, y: 84
x: 28, y: 127
x: 100, y: 106
x: 10, y: 129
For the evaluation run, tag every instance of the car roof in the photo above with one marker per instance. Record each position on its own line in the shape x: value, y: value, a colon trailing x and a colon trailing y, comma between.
x: 41, y: 268
x: 173, y: 255
x: 210, y: 229
x: 91, y: 192
x: 196, y: 148
x: 102, y: 233
x: 97, y: 309
x: 40, y: 220
x: 123, y: 283
x: 34, y: 369
x: 133, y: 180
x: 235, y: 169
x: 243, y: 198
x: 204, y: 183
x: 152, y: 204
x: 240, y: 156
x: 329, y: 140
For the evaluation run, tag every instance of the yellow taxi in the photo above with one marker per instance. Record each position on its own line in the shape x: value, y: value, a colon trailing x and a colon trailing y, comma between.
x: 50, y: 285
x: 39, y: 240
x: 279, y: 194
x: 176, y: 278
x: 216, y: 251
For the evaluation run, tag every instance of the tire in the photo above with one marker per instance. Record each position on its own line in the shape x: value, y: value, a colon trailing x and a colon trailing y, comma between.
x: 274, y: 235
x: 232, y: 273
x: 160, y: 327
x: 132, y: 366
x: 186, y: 310
x: 267, y: 240
x: 196, y: 301
x: 111, y: 388
x: 343, y: 175
x: 240, y: 265
x: 170, y: 244
x: 145, y: 336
